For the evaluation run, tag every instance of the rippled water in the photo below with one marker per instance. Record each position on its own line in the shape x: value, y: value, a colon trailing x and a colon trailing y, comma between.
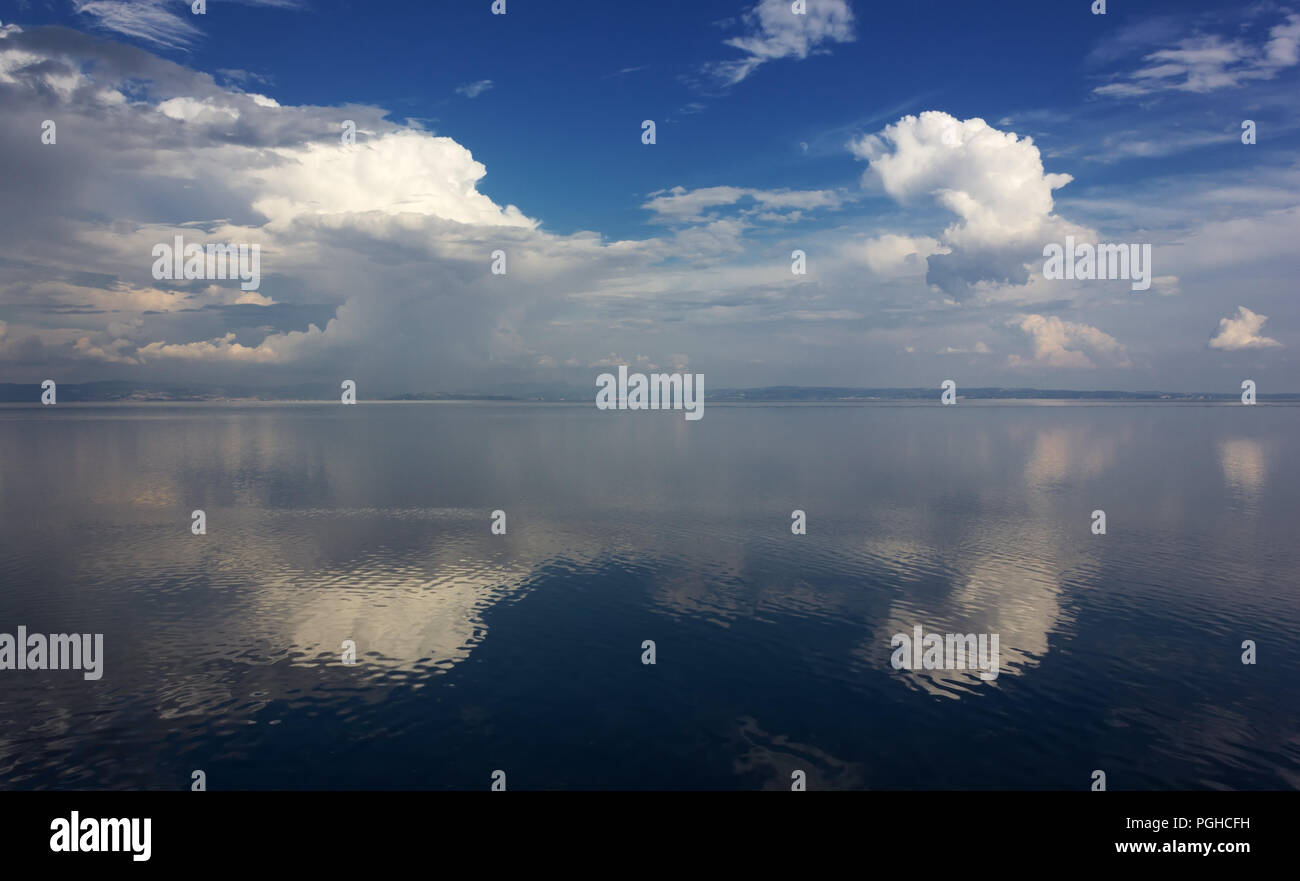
x: 522, y: 652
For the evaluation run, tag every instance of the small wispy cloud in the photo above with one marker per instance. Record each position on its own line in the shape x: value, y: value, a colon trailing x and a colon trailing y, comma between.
x: 473, y: 90
x: 680, y: 205
x: 244, y: 77
x: 165, y: 23
x: 979, y: 348
x: 773, y: 30
x: 1205, y: 63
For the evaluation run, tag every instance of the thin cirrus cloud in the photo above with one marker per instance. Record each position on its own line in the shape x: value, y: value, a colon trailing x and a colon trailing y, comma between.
x: 1208, y: 62
x: 1242, y: 332
x: 165, y: 23
x: 473, y: 90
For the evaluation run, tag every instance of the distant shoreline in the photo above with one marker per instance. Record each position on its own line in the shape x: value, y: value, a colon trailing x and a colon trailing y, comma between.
x: 141, y: 393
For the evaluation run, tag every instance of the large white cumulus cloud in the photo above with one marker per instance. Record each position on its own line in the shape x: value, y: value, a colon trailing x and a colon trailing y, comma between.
x: 374, y: 252
x: 393, y: 173
x: 993, y: 181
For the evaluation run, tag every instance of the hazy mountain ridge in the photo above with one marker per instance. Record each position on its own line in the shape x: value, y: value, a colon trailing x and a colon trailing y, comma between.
x: 140, y: 392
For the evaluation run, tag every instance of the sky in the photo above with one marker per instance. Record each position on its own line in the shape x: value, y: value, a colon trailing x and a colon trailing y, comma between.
x: 920, y: 156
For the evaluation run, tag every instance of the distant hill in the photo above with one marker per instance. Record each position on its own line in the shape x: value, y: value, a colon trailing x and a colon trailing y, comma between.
x: 117, y: 390
x: 135, y: 392
x: 814, y: 393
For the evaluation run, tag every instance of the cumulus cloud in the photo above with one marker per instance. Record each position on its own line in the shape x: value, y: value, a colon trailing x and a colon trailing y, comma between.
x: 226, y: 349
x: 375, y: 255
x: 1242, y: 332
x: 993, y: 181
x: 772, y: 30
x: 399, y: 172
x: 111, y: 352
x: 1205, y: 63
x: 890, y: 255
x: 1060, y: 343
x: 384, y: 243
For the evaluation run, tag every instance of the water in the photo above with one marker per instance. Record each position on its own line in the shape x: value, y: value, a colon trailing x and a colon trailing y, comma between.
x: 522, y: 652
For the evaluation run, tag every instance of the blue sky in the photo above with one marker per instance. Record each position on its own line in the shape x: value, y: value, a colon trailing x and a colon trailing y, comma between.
x: 781, y: 132
x: 553, y: 128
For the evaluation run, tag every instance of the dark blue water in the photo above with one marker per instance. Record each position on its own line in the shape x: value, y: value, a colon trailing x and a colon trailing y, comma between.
x: 523, y: 652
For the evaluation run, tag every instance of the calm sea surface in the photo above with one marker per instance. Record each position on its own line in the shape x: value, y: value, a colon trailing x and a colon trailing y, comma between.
x: 523, y: 652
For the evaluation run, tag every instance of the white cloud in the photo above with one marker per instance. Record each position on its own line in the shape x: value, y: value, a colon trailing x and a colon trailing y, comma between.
x: 114, y: 352
x: 1246, y: 240
x: 152, y: 21
x: 1060, y: 343
x: 773, y: 31
x: 680, y: 205
x: 473, y: 90
x: 979, y: 348
x: 1242, y: 332
x: 993, y: 181
x: 185, y: 109
x: 1167, y: 285
x: 221, y: 349
x: 392, y: 173
x: 1209, y: 62
x: 165, y: 23
x: 892, y: 256
x: 275, y: 349
x: 640, y: 362
x: 375, y: 255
